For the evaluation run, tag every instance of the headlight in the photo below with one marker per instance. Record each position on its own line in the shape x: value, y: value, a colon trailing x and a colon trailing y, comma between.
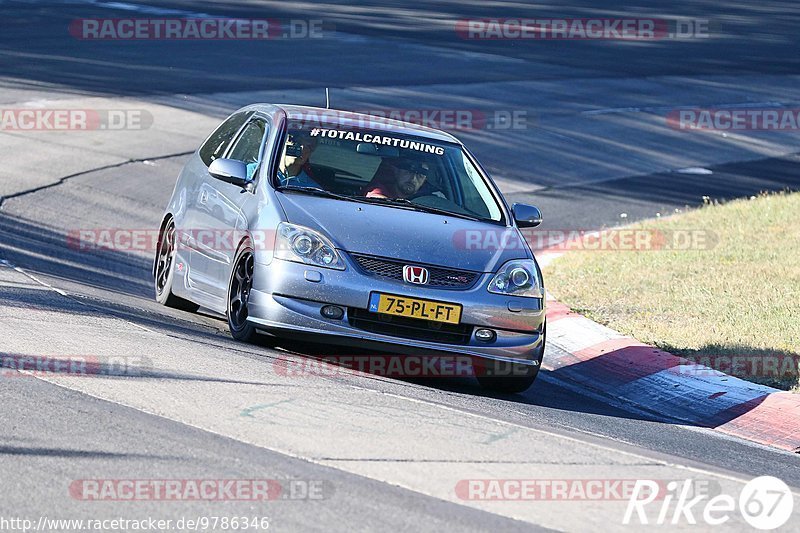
x: 304, y: 245
x: 517, y: 278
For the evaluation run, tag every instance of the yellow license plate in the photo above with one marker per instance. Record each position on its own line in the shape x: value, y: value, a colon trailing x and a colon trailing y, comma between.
x: 415, y: 308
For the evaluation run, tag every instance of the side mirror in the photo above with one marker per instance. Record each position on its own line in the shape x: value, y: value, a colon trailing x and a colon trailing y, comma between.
x: 229, y: 170
x: 526, y: 216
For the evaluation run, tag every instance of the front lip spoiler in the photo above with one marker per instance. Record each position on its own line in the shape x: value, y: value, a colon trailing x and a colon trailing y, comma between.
x: 364, y: 341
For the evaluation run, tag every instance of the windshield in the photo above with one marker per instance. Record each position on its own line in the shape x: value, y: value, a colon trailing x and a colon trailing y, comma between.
x: 386, y: 167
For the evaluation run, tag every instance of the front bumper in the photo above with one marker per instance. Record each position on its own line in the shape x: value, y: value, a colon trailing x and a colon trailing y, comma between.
x: 287, y: 297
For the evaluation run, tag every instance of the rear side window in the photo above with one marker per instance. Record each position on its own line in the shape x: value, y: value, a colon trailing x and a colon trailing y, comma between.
x: 218, y: 142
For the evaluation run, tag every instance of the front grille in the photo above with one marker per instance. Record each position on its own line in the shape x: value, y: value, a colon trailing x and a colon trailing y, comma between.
x: 409, y: 328
x: 445, y: 278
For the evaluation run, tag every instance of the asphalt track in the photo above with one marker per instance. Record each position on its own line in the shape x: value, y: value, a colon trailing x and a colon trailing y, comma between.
x: 387, y: 452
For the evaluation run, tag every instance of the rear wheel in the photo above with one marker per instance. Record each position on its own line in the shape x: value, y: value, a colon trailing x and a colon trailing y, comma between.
x: 164, y: 271
x: 239, y: 296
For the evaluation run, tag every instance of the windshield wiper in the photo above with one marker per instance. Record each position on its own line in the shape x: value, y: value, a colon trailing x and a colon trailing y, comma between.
x: 398, y: 202
x: 317, y: 191
x: 404, y: 202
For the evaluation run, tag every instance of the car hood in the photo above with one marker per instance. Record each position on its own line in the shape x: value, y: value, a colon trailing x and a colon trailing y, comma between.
x: 405, y: 234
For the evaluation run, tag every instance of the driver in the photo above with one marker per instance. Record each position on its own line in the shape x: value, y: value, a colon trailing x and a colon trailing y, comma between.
x: 295, y: 167
x: 403, y: 178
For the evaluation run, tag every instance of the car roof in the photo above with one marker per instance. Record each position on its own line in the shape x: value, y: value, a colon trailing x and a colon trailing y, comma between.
x: 341, y: 117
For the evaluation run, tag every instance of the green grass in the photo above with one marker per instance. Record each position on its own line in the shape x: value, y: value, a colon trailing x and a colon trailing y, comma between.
x: 740, y: 296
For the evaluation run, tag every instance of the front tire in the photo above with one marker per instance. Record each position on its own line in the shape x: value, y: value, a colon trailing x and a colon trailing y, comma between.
x: 164, y: 271
x: 241, y: 283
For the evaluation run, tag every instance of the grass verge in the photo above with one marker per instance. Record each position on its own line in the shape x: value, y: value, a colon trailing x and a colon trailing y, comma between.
x: 719, y: 285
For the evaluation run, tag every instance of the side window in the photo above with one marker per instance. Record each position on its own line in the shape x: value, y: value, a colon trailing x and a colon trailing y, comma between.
x: 477, y: 197
x: 218, y: 142
x: 247, y: 148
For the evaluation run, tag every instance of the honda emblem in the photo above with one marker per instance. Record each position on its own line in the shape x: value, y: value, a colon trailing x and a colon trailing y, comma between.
x: 413, y: 274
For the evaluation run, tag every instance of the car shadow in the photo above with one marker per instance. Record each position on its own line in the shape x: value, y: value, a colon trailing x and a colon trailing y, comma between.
x: 47, y: 251
x: 123, y: 290
x: 561, y: 387
x: 316, y: 359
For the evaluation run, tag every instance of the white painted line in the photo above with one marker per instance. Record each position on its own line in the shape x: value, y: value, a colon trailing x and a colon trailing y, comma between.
x: 695, y: 170
x: 575, y: 333
x: 657, y: 109
x: 62, y: 292
x: 509, y: 186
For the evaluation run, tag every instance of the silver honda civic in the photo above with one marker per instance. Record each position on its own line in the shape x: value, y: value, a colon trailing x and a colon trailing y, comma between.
x: 356, y: 230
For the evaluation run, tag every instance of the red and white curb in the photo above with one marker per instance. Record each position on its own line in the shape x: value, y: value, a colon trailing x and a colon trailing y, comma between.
x: 628, y: 373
